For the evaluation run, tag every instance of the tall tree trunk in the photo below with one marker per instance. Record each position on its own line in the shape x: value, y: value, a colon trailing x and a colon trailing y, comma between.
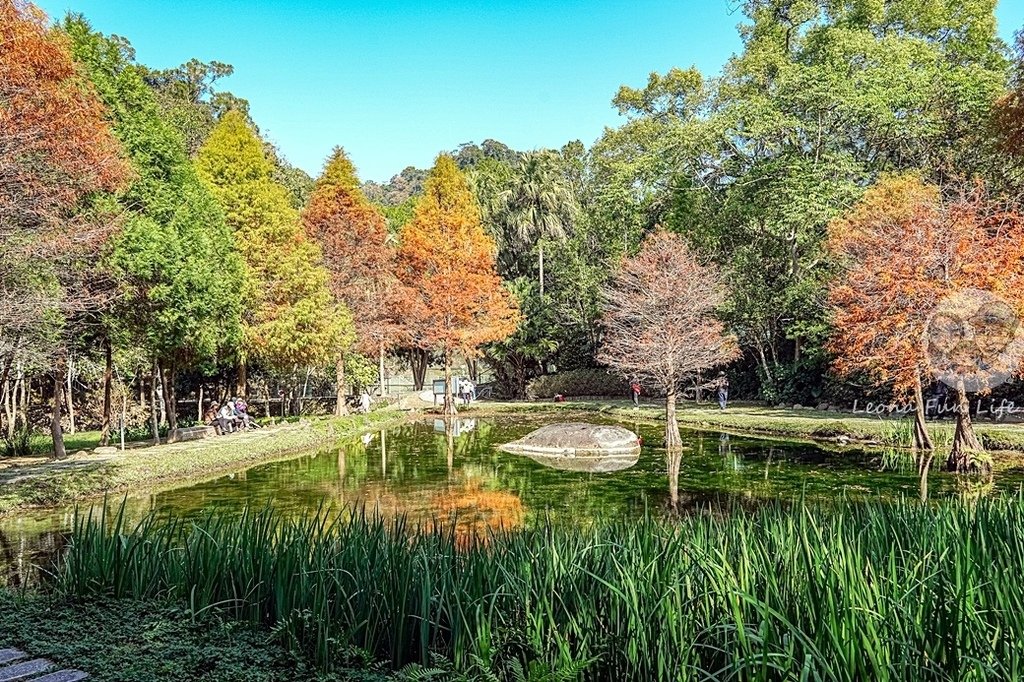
x: 380, y: 369
x: 449, y: 398
x: 305, y: 389
x: 69, y: 396
x: 242, y: 379
x: 963, y: 455
x: 56, y: 431
x: 672, y: 437
x: 339, y: 385
x: 419, y: 364
x: 108, y: 381
x: 540, y: 247
x: 154, y: 414
x: 8, y: 398
x: 8, y: 406
x: 922, y: 439
x: 474, y: 370
x: 161, y: 392
x: 168, y: 377
x: 24, y: 387
x: 199, y: 405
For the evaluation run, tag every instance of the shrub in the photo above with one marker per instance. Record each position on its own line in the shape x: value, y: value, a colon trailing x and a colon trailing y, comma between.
x: 19, y: 443
x: 578, y: 383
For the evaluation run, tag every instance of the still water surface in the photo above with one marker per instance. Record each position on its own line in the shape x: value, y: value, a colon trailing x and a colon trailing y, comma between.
x: 428, y: 470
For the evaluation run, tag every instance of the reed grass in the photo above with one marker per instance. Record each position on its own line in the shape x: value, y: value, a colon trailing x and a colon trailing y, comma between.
x: 872, y: 591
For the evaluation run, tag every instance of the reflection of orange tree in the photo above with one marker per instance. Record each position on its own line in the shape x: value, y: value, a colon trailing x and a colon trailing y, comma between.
x: 476, y: 512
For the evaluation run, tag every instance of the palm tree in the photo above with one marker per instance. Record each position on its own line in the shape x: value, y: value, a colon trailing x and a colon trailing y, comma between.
x: 538, y: 205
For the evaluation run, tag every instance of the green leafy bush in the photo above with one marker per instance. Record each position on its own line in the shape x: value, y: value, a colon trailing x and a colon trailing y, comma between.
x: 578, y: 383
x: 19, y: 443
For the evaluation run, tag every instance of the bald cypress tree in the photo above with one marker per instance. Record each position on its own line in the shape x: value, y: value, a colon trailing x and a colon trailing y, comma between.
x: 455, y: 300
x: 289, y: 316
x: 357, y: 251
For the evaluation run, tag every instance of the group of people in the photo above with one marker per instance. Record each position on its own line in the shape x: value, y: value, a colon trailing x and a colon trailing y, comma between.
x: 719, y: 384
x: 230, y: 417
x: 467, y: 391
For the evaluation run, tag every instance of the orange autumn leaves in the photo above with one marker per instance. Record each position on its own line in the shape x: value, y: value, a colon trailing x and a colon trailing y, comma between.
x: 454, y: 299
x: 439, y: 290
x: 55, y: 145
x: 906, y: 248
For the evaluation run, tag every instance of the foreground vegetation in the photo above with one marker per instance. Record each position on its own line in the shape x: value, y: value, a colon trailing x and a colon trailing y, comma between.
x: 851, y: 592
x: 131, y: 641
x: 58, y: 483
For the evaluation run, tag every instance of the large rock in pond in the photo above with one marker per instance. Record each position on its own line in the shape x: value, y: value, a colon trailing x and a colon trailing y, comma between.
x: 579, y: 447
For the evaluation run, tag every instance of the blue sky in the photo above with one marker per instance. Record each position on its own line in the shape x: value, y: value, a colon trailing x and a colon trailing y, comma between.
x: 395, y: 82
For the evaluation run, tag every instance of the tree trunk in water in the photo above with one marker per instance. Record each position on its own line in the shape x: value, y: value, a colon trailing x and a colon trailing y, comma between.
x: 339, y: 385
x: 449, y: 398
x: 108, y: 382
x: 419, y: 368
x: 449, y: 443
x: 58, y: 393
x: 154, y: 415
x: 672, y: 437
x: 922, y: 439
x: 673, y: 460
x: 242, y: 380
x: 924, y: 465
x: 380, y: 370
x: 168, y: 377
x: 963, y: 455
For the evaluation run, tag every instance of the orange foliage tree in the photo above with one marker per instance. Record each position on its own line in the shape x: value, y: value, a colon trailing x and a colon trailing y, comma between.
x: 55, y: 151
x: 907, y: 254
x: 357, y: 251
x: 659, y: 320
x: 453, y: 301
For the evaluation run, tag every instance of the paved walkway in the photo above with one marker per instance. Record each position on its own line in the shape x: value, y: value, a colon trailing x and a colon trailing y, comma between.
x: 17, y: 665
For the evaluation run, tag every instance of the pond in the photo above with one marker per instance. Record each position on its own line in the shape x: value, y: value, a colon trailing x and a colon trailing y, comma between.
x: 427, y: 472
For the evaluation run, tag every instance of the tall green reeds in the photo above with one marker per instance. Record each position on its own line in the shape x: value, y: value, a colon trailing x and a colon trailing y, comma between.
x: 855, y: 592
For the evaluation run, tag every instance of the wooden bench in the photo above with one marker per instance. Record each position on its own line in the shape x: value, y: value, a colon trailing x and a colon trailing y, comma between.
x: 16, y: 665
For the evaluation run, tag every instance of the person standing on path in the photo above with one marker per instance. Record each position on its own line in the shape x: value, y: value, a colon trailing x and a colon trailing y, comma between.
x: 723, y: 390
x: 634, y: 388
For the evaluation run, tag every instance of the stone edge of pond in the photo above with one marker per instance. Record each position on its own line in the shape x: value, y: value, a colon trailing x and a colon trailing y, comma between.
x: 153, y: 470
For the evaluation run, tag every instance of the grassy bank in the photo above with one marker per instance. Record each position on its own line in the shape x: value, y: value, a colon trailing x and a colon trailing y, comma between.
x: 55, y: 483
x: 781, y: 422
x: 847, y: 592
